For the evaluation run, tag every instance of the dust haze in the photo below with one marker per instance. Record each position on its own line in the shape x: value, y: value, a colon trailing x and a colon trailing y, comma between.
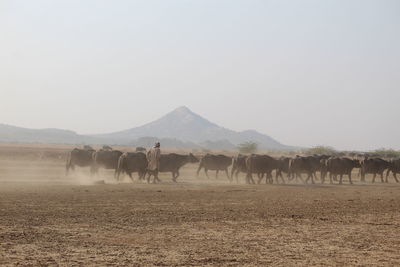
x: 299, y: 99
x: 52, y: 219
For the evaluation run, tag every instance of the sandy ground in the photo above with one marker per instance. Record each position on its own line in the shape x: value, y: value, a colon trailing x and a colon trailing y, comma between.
x: 49, y: 219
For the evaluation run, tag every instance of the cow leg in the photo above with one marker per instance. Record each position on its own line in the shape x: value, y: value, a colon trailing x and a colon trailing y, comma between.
x: 206, y: 171
x: 227, y: 174
x: 130, y: 176
x: 252, y: 180
x: 323, y: 176
x: 270, y: 178
x: 362, y: 173
x: 394, y: 175
x: 382, y: 177
x: 283, y: 179
x: 237, y: 176
x: 309, y: 176
x: 260, y: 177
x: 298, y: 177
x: 341, y: 178
x: 156, y: 179
x: 291, y: 176
x: 177, y: 174
x: 216, y: 174
x: 278, y: 173
x: 249, y: 178
x: 198, y: 170
x: 148, y: 176
x: 143, y: 177
x: 351, y: 182
x: 387, y: 175
x: 373, y: 178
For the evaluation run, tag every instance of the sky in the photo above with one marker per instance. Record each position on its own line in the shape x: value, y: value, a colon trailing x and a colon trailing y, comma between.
x: 306, y: 72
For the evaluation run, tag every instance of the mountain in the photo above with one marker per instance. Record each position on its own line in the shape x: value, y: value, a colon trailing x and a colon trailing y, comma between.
x: 15, y: 134
x: 184, y: 125
x: 180, y: 128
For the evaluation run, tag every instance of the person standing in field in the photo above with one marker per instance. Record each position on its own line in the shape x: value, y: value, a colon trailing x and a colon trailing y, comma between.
x: 153, y: 162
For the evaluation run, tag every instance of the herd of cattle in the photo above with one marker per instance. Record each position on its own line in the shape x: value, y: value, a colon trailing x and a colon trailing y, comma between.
x: 262, y: 166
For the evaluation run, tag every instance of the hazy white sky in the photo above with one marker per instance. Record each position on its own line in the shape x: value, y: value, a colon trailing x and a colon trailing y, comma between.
x: 304, y: 72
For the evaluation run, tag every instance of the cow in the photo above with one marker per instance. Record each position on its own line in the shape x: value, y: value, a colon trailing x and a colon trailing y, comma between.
x: 215, y: 163
x: 283, y: 166
x: 394, y: 168
x: 173, y: 162
x: 238, y: 165
x: 373, y: 166
x: 324, y: 169
x: 340, y: 166
x: 81, y: 158
x: 261, y: 164
x: 309, y: 165
x: 130, y: 162
x: 107, y: 159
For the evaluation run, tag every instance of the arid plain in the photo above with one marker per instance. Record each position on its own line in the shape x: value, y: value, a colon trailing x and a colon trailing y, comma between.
x: 50, y: 219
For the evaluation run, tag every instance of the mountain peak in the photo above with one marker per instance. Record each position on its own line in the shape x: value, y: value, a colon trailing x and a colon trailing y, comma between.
x: 183, y: 115
x: 182, y: 109
x: 182, y: 112
x: 185, y: 125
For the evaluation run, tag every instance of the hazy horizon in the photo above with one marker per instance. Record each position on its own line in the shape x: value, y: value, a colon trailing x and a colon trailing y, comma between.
x: 303, y: 72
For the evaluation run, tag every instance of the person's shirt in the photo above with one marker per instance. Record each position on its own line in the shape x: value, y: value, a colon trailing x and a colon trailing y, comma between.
x: 153, y: 158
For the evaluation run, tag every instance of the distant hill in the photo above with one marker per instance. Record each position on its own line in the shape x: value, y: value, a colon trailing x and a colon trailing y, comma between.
x: 10, y: 133
x: 184, y: 125
x: 180, y: 128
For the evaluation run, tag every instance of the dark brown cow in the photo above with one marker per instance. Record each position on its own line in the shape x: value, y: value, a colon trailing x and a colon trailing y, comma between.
x: 324, y: 169
x: 309, y: 165
x: 81, y: 158
x: 215, y: 163
x: 373, y: 166
x: 283, y: 167
x: 130, y: 162
x: 107, y: 159
x: 340, y: 166
x: 238, y: 165
x: 173, y: 162
x: 394, y: 168
x: 263, y: 164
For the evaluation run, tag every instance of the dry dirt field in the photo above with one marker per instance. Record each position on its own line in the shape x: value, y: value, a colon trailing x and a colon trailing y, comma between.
x: 49, y: 219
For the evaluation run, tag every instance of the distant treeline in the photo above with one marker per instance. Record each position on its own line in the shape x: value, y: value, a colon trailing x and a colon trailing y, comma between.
x: 326, y: 150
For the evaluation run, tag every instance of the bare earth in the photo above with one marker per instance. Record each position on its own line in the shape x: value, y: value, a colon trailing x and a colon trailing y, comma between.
x: 49, y: 219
